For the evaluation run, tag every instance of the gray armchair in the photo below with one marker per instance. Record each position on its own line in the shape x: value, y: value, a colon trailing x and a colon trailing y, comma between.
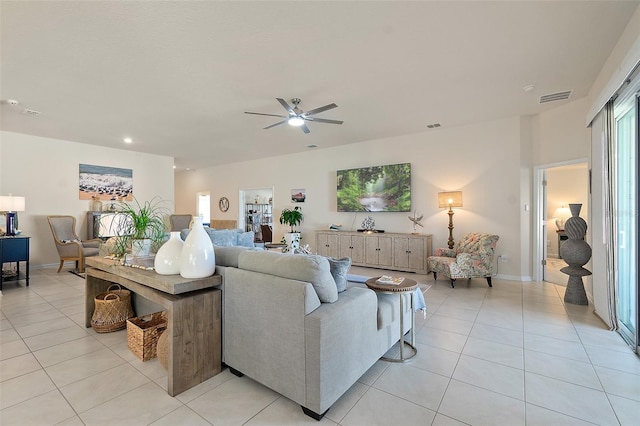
x: 70, y: 247
x: 180, y: 222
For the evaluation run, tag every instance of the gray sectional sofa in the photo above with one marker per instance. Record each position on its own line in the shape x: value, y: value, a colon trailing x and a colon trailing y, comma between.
x: 279, y: 332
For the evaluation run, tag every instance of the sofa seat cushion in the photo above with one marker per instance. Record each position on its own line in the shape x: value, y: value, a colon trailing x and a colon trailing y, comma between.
x: 313, y: 269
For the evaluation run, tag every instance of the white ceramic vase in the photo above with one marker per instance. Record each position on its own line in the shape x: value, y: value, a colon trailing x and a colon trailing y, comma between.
x: 293, y: 241
x: 140, y: 247
x: 167, y: 260
x: 197, y: 258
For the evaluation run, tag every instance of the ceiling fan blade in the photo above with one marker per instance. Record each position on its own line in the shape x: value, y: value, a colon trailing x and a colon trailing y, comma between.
x: 286, y: 106
x: 321, y: 109
x: 324, y: 120
x: 305, y: 128
x: 276, y: 124
x: 269, y: 115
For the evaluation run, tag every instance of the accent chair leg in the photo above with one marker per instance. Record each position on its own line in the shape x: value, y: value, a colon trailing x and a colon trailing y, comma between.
x: 61, y: 263
x: 435, y: 275
x: 489, y: 281
x: 235, y: 372
x: 80, y: 264
x: 453, y: 282
x: 313, y: 414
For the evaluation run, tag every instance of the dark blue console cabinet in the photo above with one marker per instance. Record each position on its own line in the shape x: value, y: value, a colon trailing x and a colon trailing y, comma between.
x: 14, y: 249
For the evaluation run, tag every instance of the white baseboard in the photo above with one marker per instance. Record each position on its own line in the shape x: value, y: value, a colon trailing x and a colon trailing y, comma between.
x: 512, y: 278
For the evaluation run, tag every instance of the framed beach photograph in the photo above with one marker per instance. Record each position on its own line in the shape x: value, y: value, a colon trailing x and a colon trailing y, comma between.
x: 105, y: 183
x: 298, y: 195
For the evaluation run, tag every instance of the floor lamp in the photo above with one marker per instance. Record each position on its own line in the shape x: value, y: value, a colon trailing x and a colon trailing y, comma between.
x: 450, y: 199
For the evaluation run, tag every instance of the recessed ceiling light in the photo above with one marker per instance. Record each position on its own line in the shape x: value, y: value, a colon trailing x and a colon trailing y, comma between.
x: 313, y: 145
x: 433, y: 126
x: 174, y: 167
x: 128, y: 140
x: 529, y: 88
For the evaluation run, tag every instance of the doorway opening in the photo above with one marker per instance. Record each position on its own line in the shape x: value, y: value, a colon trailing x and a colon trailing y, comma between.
x: 256, y: 210
x: 557, y: 185
x: 204, y: 207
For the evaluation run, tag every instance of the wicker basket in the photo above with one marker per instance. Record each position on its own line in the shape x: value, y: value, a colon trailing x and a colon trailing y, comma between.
x: 143, y: 333
x: 112, y: 309
x: 162, y: 349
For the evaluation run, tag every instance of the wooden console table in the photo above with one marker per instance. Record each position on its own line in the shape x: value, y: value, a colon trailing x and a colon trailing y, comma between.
x: 193, y: 312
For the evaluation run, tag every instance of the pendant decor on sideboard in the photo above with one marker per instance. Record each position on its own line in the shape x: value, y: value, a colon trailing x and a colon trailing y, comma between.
x: 576, y: 252
x: 197, y: 259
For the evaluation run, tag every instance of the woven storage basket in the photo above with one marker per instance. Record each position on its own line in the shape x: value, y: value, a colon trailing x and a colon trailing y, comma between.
x: 162, y: 349
x: 143, y: 333
x: 112, y: 309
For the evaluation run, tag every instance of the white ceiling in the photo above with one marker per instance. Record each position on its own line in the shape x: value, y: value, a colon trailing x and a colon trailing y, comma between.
x: 177, y: 76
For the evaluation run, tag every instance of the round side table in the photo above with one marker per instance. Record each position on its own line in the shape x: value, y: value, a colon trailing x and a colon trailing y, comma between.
x: 407, y: 285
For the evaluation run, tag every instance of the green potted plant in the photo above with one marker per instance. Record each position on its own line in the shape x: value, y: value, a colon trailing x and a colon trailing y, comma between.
x: 140, y: 225
x: 292, y: 218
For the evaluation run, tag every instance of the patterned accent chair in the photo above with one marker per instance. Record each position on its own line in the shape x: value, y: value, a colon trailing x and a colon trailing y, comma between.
x: 472, y: 258
x: 69, y: 246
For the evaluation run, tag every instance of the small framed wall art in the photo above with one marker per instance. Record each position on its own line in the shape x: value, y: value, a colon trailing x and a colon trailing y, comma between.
x: 223, y: 204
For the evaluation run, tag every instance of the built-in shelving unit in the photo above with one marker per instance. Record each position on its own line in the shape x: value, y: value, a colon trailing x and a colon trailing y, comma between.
x: 257, y: 214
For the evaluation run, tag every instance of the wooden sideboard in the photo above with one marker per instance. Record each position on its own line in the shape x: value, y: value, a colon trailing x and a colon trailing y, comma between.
x: 193, y: 312
x: 400, y: 252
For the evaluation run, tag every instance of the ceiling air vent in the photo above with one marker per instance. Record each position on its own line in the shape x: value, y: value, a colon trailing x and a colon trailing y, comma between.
x: 433, y: 126
x: 558, y: 96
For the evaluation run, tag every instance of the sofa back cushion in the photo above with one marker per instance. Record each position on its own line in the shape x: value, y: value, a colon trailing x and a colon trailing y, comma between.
x: 228, y: 256
x: 313, y: 269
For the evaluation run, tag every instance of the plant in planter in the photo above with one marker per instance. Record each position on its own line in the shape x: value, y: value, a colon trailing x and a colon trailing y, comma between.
x: 140, y: 225
x: 292, y: 217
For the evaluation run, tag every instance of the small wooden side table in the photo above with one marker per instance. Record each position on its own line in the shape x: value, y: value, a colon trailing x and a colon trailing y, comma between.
x: 407, y: 285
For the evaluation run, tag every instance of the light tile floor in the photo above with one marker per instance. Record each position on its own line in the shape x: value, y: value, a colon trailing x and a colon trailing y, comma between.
x: 513, y: 354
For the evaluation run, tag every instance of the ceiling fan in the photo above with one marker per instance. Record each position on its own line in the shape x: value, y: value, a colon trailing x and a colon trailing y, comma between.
x: 297, y: 117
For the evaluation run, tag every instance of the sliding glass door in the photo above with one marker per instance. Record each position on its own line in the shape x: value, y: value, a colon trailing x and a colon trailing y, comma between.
x: 626, y: 167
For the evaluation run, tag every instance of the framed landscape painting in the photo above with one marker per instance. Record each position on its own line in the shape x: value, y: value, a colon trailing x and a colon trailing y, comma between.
x: 105, y: 183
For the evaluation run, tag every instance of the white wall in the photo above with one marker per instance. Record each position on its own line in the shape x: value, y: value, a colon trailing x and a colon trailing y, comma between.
x: 45, y: 172
x: 476, y: 159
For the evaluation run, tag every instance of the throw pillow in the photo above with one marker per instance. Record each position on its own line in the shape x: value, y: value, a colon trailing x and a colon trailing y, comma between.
x: 245, y: 239
x: 223, y: 238
x: 339, y: 269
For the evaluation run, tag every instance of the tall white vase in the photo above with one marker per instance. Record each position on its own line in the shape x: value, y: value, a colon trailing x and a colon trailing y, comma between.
x: 197, y: 259
x: 167, y: 260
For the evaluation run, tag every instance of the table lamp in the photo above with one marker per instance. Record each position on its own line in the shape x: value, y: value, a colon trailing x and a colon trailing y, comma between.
x: 11, y: 205
x: 450, y: 199
x: 561, y: 214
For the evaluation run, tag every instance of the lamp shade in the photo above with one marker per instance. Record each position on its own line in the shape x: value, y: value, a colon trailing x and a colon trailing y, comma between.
x: 561, y: 214
x: 450, y: 199
x: 10, y: 203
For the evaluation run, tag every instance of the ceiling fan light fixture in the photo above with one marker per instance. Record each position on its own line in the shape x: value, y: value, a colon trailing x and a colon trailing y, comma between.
x: 295, y: 121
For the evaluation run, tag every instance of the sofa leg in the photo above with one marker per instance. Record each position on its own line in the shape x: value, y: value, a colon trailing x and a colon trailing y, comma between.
x: 453, y: 283
x: 489, y: 281
x: 236, y: 372
x: 313, y: 414
x: 435, y: 275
